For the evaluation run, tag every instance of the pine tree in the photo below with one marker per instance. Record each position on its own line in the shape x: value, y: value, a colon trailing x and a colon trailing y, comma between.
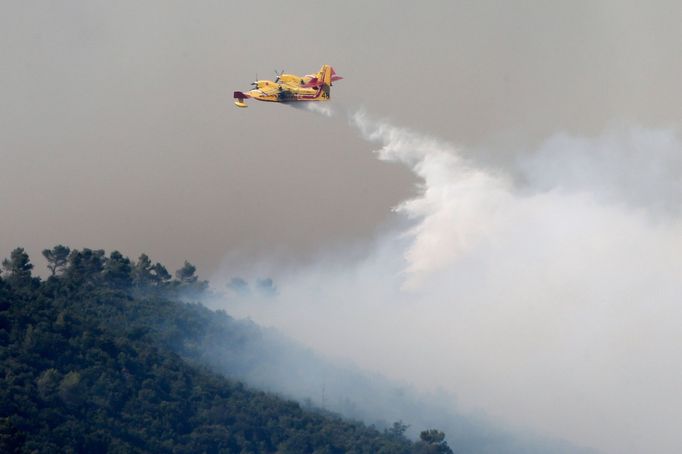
x: 18, y: 268
x: 57, y: 258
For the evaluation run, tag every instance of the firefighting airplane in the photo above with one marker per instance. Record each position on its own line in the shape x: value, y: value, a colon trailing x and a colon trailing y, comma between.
x: 291, y: 88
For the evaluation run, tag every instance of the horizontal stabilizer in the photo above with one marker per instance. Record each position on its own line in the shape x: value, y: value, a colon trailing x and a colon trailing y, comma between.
x: 312, y: 83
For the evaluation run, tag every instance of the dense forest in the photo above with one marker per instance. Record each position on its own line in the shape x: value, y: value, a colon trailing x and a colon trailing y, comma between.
x: 104, y: 356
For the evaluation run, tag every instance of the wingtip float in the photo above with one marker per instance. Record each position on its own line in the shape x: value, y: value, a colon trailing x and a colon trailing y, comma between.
x: 239, y: 98
x: 291, y: 88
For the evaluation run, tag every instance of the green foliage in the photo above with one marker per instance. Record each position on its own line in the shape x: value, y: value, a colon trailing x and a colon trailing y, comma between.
x: 142, y: 272
x: 188, y: 283
x: 186, y: 274
x: 94, y: 359
x: 160, y: 274
x: 57, y: 258
x: 84, y: 266
x: 397, y: 430
x: 18, y: 268
x: 146, y: 276
x: 432, y: 441
x: 117, y: 271
x: 432, y: 436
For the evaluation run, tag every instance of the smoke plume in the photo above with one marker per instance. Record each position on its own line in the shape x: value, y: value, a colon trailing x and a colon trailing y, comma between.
x: 544, y: 295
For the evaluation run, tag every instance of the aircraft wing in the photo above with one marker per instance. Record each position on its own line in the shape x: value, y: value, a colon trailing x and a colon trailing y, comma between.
x: 289, y: 85
x: 271, y: 91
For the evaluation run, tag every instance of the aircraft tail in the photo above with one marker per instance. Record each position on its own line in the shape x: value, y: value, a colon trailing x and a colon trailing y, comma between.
x: 324, y: 79
x: 327, y: 75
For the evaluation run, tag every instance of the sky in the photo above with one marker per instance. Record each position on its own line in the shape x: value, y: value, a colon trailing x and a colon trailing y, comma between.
x: 492, y: 207
x: 117, y: 129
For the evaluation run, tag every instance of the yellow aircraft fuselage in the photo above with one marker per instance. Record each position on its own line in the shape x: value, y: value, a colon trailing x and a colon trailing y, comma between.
x: 291, y: 88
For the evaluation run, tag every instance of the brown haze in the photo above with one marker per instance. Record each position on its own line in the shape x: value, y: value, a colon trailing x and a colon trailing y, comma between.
x: 117, y: 129
x: 540, y: 280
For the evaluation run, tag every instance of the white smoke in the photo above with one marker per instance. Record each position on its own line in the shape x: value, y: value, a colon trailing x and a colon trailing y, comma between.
x: 552, y: 303
x: 323, y: 109
x: 455, y: 203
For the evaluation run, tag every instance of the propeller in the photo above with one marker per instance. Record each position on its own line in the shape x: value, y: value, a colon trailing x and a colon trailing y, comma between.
x: 255, y: 84
x: 277, y: 75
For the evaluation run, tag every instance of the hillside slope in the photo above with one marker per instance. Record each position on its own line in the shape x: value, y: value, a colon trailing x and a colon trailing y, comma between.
x: 92, y: 361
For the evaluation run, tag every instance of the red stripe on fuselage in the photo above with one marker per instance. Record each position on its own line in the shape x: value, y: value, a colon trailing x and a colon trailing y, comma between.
x: 315, y: 96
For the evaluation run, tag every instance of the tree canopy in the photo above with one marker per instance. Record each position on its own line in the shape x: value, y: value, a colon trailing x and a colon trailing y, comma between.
x: 92, y: 361
x: 57, y: 258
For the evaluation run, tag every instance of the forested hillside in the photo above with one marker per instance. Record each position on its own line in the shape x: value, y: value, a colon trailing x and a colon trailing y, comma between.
x: 101, y: 356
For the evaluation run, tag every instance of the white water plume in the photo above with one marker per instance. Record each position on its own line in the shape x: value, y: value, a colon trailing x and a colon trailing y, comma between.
x: 551, y: 304
x: 321, y: 108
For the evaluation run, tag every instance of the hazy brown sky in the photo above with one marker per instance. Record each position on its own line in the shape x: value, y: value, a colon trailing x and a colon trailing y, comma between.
x: 117, y: 128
